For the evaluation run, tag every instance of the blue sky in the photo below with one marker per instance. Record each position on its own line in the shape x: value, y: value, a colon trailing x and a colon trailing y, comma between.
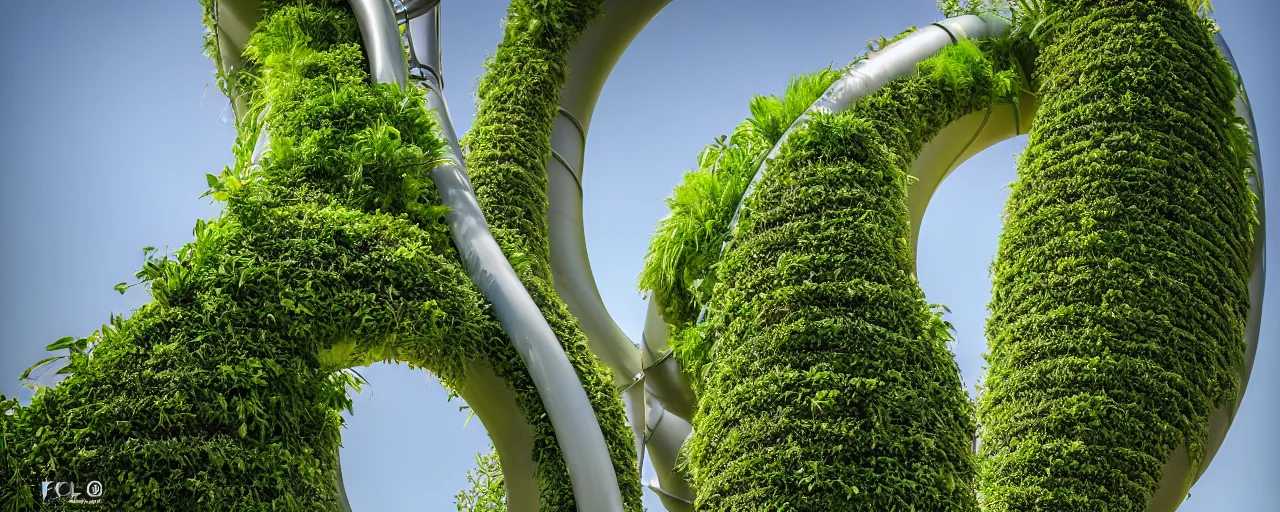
x: 111, y: 119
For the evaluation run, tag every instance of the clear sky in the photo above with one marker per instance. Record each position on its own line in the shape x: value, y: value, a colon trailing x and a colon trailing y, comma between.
x: 109, y: 119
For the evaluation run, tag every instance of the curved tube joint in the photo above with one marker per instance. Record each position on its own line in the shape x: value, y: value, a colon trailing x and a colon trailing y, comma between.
x: 870, y: 74
x: 665, y: 434
x: 665, y: 379
x: 590, y: 62
x: 382, y: 44
x: 424, y: 46
x: 415, y: 8
x: 578, y: 433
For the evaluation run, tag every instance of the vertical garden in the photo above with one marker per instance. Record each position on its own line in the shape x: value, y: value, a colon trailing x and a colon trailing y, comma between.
x: 783, y: 278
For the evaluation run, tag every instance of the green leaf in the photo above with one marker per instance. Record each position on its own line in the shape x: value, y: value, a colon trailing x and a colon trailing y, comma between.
x: 63, y: 342
x: 38, y: 364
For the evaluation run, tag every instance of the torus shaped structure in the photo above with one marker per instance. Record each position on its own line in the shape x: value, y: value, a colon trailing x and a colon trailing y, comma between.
x: 788, y: 356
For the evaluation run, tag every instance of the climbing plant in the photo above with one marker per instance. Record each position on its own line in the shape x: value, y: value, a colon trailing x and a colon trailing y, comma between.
x: 821, y: 374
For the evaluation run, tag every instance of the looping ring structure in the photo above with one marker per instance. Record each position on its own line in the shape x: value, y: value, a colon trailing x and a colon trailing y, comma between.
x: 792, y: 338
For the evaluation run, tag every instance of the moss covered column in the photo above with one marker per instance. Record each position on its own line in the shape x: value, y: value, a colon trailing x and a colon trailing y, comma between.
x: 507, y: 150
x: 830, y: 386
x: 1119, y: 302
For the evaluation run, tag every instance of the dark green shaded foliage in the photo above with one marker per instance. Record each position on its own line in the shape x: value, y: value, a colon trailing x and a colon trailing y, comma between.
x: 829, y: 385
x: 223, y: 393
x: 1120, y: 284
x: 508, y: 147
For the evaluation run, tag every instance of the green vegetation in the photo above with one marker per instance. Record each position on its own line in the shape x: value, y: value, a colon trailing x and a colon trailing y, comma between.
x: 822, y: 374
x: 509, y: 145
x: 224, y: 392
x: 679, y: 267
x: 829, y: 385
x: 487, y: 493
x: 1119, y: 303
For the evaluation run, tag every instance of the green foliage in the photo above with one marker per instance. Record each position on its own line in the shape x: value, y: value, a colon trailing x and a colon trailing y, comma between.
x: 828, y: 384
x: 678, y: 266
x: 223, y: 393
x: 1120, y: 284
x: 510, y: 142
x: 487, y: 493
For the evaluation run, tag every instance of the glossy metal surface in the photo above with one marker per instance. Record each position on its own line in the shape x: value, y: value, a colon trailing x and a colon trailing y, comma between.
x: 595, y: 484
x: 415, y: 8
x: 382, y: 44
x: 590, y: 62
x: 665, y: 433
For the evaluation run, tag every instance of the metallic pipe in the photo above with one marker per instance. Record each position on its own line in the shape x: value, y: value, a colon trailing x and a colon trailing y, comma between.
x: 415, y: 8
x: 590, y: 62
x: 381, y: 33
x: 665, y: 379
x: 424, y: 45
x: 869, y: 75
x: 595, y: 484
x: 665, y: 434
x: 863, y: 78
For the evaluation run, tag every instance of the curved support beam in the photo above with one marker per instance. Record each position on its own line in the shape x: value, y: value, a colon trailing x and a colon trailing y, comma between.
x: 1179, y: 474
x: 665, y: 379
x: 344, y: 505
x: 382, y: 44
x: 234, y: 21
x: 970, y: 135
x: 665, y: 434
x: 869, y: 75
x: 578, y: 433
x: 590, y: 62
x: 415, y: 8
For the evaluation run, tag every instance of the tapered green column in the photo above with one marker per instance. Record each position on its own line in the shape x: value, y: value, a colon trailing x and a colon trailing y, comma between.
x: 1120, y: 286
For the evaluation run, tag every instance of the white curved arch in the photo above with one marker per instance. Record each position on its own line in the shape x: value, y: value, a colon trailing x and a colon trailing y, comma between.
x: 578, y: 432
x: 968, y: 136
x: 590, y: 62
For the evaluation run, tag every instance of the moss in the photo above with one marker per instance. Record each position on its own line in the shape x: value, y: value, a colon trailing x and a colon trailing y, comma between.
x: 829, y: 385
x: 1120, y: 283
x: 223, y: 393
x: 509, y: 144
x: 687, y: 243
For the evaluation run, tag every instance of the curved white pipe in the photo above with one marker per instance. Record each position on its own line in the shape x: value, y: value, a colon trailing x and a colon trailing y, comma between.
x: 382, y: 43
x: 665, y: 433
x: 590, y: 62
x: 664, y: 377
x: 578, y: 433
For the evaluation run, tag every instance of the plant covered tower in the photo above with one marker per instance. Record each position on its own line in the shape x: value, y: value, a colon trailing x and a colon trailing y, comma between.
x: 790, y: 360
